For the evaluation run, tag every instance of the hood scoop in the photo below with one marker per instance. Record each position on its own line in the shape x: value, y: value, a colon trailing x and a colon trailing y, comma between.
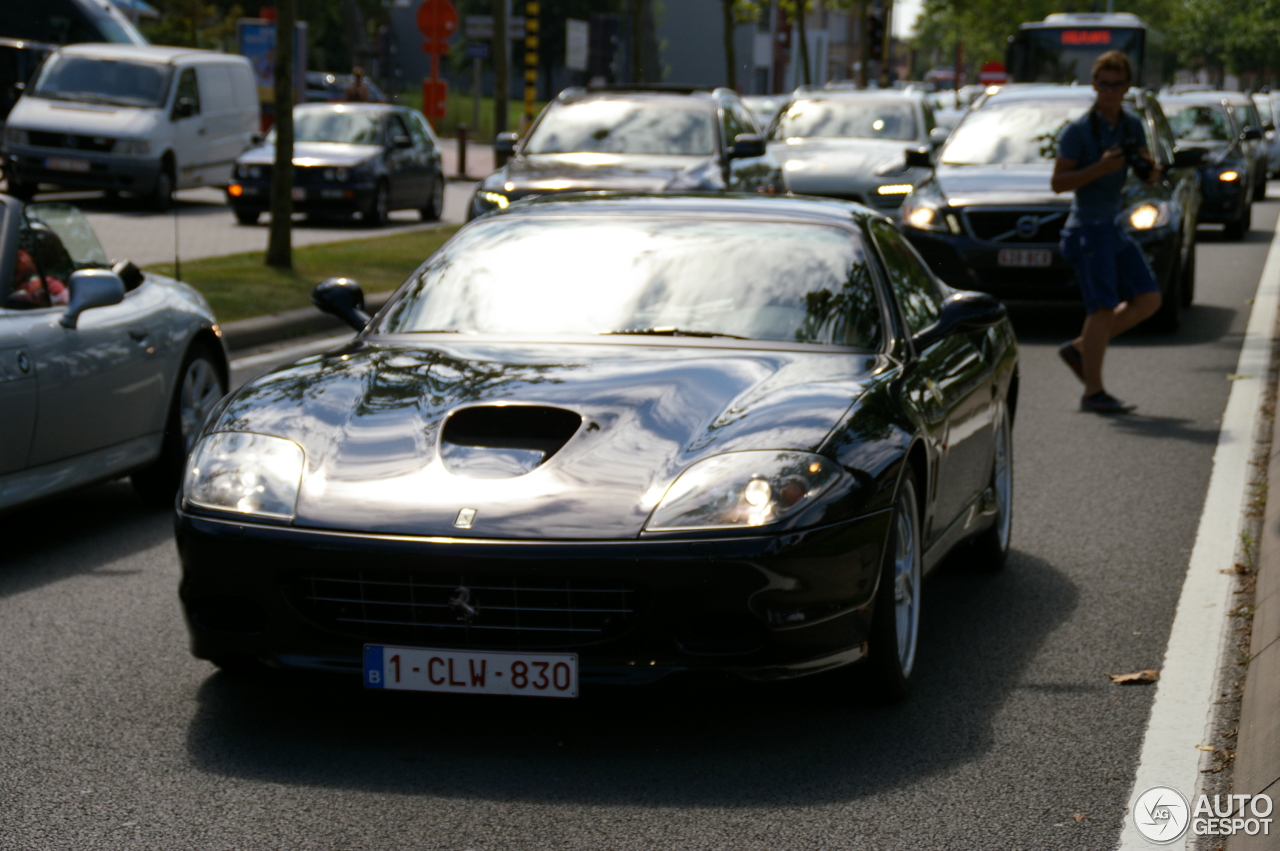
x: 504, y: 441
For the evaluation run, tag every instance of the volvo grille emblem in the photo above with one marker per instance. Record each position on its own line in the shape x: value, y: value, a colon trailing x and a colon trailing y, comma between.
x: 1027, y: 226
x: 465, y: 518
x: 460, y: 605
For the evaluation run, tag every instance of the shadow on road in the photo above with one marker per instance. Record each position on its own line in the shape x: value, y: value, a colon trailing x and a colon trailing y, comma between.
x: 700, y: 743
x: 76, y: 534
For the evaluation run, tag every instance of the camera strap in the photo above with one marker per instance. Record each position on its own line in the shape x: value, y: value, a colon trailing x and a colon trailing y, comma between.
x: 1095, y: 122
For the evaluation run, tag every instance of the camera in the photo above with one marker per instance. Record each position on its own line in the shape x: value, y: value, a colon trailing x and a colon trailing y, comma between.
x: 1135, y: 160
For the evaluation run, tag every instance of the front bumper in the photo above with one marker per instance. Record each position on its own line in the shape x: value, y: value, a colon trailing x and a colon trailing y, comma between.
x: 1222, y: 202
x: 89, y: 170
x: 970, y: 264
x: 761, y: 607
x: 255, y: 196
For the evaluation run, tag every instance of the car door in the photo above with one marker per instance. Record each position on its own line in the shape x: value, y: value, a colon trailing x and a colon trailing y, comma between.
x: 18, y: 391
x: 404, y: 169
x: 950, y: 383
x: 430, y: 158
x: 188, y: 131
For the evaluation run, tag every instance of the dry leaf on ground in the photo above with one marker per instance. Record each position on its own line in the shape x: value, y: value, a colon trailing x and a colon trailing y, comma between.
x: 1143, y: 677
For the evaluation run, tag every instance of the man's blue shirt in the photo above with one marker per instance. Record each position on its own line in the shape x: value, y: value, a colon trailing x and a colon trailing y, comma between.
x: 1098, y: 202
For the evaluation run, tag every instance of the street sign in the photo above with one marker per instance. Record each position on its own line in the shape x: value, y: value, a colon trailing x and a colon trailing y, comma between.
x: 477, y: 50
x: 480, y: 27
x: 577, y: 39
x: 993, y: 74
x: 437, y: 21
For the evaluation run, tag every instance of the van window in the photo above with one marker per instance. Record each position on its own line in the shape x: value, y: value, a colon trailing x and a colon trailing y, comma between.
x: 188, y: 88
x: 215, y: 88
x: 90, y: 79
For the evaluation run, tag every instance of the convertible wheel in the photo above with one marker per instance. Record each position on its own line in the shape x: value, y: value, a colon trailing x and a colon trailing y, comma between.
x: 895, y: 622
x: 435, y: 204
x: 199, y: 389
x: 991, y: 547
x: 375, y: 214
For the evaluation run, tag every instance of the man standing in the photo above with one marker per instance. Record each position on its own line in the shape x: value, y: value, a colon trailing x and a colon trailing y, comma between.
x: 1118, y: 286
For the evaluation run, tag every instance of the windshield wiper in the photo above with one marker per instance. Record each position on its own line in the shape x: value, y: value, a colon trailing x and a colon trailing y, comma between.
x: 673, y: 332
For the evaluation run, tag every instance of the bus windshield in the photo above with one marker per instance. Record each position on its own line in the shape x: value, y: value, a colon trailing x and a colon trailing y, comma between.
x: 1066, y: 54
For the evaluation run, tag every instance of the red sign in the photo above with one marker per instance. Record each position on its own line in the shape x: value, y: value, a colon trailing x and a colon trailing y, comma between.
x: 434, y: 95
x: 1077, y: 37
x: 437, y: 21
x: 993, y: 74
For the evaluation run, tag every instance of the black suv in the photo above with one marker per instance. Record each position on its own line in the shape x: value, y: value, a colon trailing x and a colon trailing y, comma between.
x: 633, y: 140
x: 987, y: 219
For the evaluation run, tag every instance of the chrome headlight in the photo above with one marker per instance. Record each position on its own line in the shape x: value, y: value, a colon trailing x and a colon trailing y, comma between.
x: 924, y: 215
x: 245, y: 473
x: 133, y: 147
x: 743, y: 489
x: 1149, y: 215
x: 16, y: 136
x: 494, y: 200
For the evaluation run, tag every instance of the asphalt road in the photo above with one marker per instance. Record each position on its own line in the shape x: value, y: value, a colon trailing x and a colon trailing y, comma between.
x: 112, y: 737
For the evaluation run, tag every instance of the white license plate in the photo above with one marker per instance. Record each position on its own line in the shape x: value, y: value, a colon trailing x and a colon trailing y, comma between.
x: 1025, y: 257
x: 299, y: 194
x: 60, y: 164
x: 471, y: 672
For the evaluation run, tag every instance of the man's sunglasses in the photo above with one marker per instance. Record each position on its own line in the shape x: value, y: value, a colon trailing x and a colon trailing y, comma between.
x: 1110, y: 87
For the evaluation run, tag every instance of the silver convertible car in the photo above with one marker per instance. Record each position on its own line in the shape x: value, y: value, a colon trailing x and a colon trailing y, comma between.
x: 105, y: 371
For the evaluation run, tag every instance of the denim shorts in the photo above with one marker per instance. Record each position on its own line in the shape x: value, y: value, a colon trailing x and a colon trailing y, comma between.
x: 1109, y: 265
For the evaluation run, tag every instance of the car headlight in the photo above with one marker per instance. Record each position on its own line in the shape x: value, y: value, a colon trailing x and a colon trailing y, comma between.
x: 245, y: 473
x: 16, y: 136
x: 248, y: 172
x: 1228, y: 175
x: 895, y: 189
x: 342, y: 175
x: 923, y: 215
x: 494, y: 199
x: 1148, y: 216
x: 133, y: 147
x: 743, y: 489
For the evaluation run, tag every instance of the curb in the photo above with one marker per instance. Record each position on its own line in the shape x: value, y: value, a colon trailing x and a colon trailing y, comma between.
x: 272, y: 328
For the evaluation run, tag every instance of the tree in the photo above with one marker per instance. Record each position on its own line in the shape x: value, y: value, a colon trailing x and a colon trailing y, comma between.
x: 279, y: 245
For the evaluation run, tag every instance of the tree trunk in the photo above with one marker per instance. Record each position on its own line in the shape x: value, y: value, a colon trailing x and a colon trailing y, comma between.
x: 804, y: 43
x: 501, y: 67
x: 730, y: 60
x: 279, y: 245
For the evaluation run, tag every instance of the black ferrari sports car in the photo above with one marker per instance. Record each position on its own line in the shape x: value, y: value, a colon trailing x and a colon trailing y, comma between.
x: 607, y: 438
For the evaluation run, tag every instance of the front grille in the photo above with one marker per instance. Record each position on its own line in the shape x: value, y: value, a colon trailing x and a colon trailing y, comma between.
x: 391, y: 607
x: 72, y: 141
x: 1017, y: 227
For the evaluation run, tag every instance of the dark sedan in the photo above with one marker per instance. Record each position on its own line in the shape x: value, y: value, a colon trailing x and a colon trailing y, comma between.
x: 1228, y: 176
x: 348, y: 159
x: 988, y: 220
x: 739, y: 455
x: 629, y: 140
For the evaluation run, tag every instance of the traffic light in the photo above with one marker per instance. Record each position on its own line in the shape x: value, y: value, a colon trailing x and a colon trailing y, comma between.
x: 875, y: 32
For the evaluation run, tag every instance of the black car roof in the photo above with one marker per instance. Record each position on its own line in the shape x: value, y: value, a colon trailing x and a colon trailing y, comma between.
x: 692, y: 205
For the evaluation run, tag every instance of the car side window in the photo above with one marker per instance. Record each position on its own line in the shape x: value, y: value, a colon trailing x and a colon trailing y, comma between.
x: 188, y: 87
x: 395, y: 127
x: 418, y: 129
x: 1164, y: 134
x: 732, y: 126
x: 917, y: 291
x: 747, y: 120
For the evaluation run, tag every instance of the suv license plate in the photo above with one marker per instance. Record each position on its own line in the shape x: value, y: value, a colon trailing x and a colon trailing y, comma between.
x: 471, y: 672
x: 1025, y: 257
x: 59, y: 164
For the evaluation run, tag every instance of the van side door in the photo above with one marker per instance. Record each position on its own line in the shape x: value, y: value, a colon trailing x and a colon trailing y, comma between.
x: 188, y: 130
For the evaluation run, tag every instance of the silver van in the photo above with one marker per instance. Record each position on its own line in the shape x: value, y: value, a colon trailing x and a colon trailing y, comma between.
x: 126, y: 118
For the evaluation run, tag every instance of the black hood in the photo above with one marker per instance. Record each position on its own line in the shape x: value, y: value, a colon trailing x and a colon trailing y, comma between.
x: 545, y: 173
x: 386, y: 450
x: 963, y: 186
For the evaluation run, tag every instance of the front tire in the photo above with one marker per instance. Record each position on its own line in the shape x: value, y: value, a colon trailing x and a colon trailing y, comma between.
x: 1235, y: 230
x: 375, y: 212
x: 161, y: 198
x: 247, y: 217
x: 991, y: 547
x: 435, y: 204
x: 200, y: 385
x: 895, y: 620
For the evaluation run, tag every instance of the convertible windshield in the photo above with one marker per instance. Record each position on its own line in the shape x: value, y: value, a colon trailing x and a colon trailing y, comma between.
x: 1013, y: 134
x: 1199, y: 122
x: 671, y: 126
x: 860, y: 118
x: 337, y: 124
x: 114, y: 82
x: 549, y: 277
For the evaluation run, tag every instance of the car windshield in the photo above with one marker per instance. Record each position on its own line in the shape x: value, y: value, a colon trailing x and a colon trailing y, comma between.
x: 78, y: 241
x: 576, y: 275
x: 1018, y: 133
x: 113, y: 82
x: 1199, y: 122
x: 612, y: 126
x: 1264, y: 109
x: 338, y: 125
x: 859, y: 118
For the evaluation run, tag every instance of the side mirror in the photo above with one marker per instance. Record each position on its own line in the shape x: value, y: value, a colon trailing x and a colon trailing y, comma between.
x: 401, y: 142
x: 963, y: 311
x: 1188, y: 157
x: 19, y: 87
x: 747, y: 145
x: 505, y: 144
x: 1269, y: 126
x: 91, y: 288
x: 257, y: 138
x: 919, y: 158
x: 343, y: 298
x: 184, y: 108
x: 938, y: 135
x: 1253, y: 134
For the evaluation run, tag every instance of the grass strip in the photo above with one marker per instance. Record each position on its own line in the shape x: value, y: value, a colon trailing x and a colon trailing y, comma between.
x: 239, y: 286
